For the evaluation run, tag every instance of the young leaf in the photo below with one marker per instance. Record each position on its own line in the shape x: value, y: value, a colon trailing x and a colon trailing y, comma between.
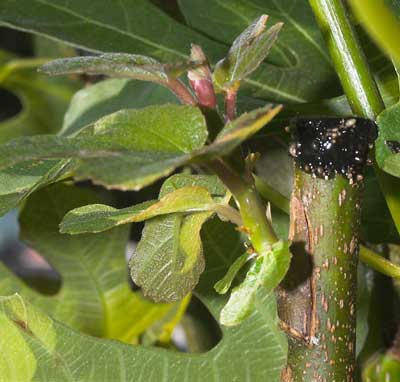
x: 99, y: 217
x: 129, y: 66
x: 237, y: 131
x: 298, y: 61
x: 267, y: 271
x: 223, y: 285
x: 246, y: 54
x: 119, y: 65
x: 169, y: 259
x: 125, y: 150
x: 200, y: 79
x: 301, y: 62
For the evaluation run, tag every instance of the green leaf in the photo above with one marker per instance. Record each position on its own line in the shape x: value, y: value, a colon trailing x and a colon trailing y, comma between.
x: 169, y: 258
x: 43, y: 100
x: 304, y: 66
x: 125, y: 150
x: 118, y: 65
x: 223, y: 285
x: 96, y: 101
x: 298, y: 60
x: 255, y: 351
x: 21, y: 180
x: 380, y: 19
x: 383, y: 367
x: 246, y: 54
x: 237, y: 131
x: 99, y: 217
x: 95, y: 296
x: 161, y: 331
x: 266, y: 272
x: 388, y: 142
x: 377, y: 224
x: 365, y: 282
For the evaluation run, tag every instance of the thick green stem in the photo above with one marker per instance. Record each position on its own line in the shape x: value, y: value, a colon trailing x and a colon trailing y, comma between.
x: 348, y: 58
x: 318, y: 304
x: 252, y: 209
x: 317, y: 299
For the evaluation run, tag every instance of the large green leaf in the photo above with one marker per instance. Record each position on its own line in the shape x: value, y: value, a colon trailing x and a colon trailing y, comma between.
x: 87, y: 106
x: 139, y: 27
x: 94, y: 102
x: 95, y: 296
x: 381, y: 19
x: 19, y: 181
x: 169, y: 258
x: 126, y: 150
x: 255, y: 351
x: 43, y: 100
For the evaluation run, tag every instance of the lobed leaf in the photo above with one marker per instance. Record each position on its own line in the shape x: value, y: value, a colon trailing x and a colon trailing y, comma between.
x: 256, y: 350
x: 95, y: 296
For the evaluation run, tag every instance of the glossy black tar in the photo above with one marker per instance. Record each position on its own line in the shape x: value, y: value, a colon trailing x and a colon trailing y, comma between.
x: 325, y: 147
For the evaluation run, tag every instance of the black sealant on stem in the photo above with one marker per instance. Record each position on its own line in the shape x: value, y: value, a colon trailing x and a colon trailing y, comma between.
x: 325, y: 147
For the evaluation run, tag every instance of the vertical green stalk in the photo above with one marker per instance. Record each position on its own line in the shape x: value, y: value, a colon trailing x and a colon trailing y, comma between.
x: 348, y: 57
x: 317, y: 300
x: 318, y: 304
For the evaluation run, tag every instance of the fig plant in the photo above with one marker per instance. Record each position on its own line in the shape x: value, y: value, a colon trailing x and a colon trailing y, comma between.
x: 263, y: 194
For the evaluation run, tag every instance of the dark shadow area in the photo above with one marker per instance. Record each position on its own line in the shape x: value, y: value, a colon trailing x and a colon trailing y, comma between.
x: 10, y: 105
x: 198, y: 331
x: 31, y: 268
x: 300, y: 269
x: 170, y: 7
x: 17, y: 42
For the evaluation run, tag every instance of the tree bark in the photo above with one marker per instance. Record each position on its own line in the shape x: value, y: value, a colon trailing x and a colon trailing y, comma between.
x: 317, y: 301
